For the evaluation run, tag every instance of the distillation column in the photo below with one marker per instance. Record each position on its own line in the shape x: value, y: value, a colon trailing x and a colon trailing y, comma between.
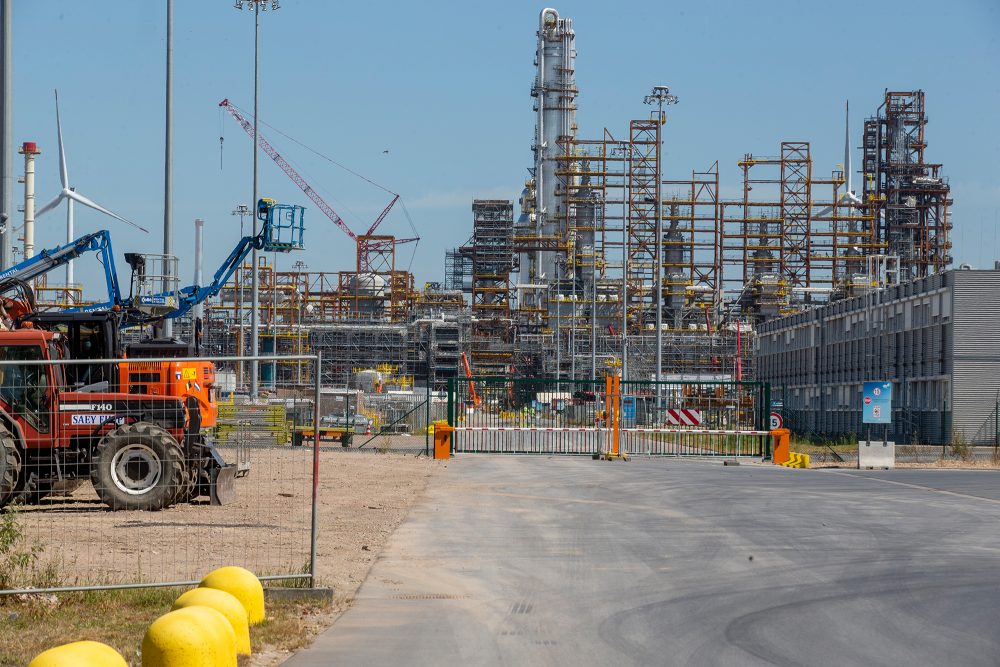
x: 555, y: 103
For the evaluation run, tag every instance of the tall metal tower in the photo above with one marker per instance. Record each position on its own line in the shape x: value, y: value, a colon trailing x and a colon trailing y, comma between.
x: 912, y: 196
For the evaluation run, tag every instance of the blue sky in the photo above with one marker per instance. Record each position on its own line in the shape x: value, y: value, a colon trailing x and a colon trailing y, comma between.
x: 444, y: 87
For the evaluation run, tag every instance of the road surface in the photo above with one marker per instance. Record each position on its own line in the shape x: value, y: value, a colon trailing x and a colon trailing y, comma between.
x: 517, y: 560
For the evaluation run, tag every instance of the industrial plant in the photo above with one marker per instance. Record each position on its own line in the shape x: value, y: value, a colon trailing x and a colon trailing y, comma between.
x: 604, y: 265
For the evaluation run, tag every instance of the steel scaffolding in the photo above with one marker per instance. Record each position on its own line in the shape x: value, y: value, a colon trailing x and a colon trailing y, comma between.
x: 908, y: 195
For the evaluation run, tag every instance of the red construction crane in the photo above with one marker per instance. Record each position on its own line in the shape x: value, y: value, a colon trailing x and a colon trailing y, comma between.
x: 301, y: 182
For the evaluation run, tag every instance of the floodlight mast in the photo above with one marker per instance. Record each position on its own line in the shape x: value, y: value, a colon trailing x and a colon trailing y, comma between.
x: 659, y: 96
x: 256, y: 6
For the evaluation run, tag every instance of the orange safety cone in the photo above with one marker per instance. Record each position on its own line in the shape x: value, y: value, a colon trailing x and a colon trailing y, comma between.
x: 368, y: 429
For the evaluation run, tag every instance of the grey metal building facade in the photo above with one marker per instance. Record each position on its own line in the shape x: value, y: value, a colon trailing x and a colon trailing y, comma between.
x: 937, y: 339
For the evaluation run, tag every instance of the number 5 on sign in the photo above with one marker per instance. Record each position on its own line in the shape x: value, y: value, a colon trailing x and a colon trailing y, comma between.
x: 776, y: 421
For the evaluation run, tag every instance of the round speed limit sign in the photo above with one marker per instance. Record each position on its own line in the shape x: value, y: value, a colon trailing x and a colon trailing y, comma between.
x: 776, y: 421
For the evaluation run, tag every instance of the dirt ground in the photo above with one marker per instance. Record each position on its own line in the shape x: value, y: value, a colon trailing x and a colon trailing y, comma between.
x: 363, y: 497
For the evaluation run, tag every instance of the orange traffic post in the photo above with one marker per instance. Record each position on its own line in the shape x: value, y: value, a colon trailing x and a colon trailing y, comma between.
x: 442, y: 441
x: 782, y: 449
x: 615, y: 407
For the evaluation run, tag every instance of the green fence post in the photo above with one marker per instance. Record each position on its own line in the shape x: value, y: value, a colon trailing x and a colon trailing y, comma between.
x: 451, y: 401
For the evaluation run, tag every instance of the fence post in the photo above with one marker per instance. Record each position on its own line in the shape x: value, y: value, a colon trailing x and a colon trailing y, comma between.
x: 315, y: 490
x: 451, y: 409
x: 427, y: 415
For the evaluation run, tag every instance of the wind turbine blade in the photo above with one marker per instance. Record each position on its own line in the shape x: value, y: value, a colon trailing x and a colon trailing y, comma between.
x: 48, y: 207
x: 63, y: 173
x: 76, y: 196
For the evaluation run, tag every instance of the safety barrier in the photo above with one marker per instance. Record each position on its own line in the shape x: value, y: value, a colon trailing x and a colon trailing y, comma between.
x: 208, y: 626
x: 796, y: 460
x: 551, y: 416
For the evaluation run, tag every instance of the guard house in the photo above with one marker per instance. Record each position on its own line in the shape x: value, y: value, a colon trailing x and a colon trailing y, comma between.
x: 937, y: 339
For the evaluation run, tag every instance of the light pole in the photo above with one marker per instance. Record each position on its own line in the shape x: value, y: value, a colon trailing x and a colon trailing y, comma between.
x: 256, y: 6
x: 243, y: 211
x: 168, y: 167
x: 6, y: 132
x: 660, y: 96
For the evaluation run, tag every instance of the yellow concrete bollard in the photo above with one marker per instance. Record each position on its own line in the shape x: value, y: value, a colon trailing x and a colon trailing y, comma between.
x: 79, y: 654
x: 241, y: 584
x: 190, y: 637
x: 227, y: 605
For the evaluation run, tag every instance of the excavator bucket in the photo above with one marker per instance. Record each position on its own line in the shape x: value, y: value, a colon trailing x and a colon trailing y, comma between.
x: 223, y: 489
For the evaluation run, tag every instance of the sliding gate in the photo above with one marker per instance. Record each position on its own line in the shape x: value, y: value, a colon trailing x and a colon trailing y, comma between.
x: 548, y: 416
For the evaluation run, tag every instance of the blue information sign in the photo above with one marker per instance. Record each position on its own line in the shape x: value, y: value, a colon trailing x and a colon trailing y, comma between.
x: 877, y: 403
x: 628, y: 407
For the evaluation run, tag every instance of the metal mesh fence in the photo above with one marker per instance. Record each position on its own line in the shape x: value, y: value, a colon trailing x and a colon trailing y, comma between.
x: 142, y: 472
x: 548, y: 416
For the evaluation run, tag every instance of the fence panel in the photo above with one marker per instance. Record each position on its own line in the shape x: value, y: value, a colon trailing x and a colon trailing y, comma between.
x: 110, y: 492
x: 677, y: 418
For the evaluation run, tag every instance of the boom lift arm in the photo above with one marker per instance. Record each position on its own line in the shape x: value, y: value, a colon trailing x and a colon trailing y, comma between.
x: 47, y: 260
x: 190, y: 296
x: 268, y: 239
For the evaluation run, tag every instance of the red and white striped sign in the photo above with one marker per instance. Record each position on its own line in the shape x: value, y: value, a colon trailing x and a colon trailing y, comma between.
x: 684, y: 417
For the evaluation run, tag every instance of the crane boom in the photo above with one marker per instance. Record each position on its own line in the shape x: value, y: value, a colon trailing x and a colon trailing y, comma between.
x: 381, y: 217
x: 289, y: 170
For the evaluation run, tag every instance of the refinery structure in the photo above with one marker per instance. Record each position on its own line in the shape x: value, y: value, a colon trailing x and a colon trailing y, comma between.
x: 603, y: 264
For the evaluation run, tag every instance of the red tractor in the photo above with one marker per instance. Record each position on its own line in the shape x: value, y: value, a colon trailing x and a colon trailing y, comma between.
x: 140, y: 451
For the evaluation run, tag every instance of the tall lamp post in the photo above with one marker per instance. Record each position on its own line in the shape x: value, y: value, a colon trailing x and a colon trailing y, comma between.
x: 168, y: 167
x: 256, y: 6
x: 660, y: 96
x: 243, y: 211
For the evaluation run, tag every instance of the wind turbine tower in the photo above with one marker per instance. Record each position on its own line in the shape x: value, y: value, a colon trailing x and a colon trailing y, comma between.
x: 70, y: 195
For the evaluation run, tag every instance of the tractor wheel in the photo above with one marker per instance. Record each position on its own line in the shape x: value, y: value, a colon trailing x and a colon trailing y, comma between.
x: 138, y: 467
x: 189, y: 489
x: 30, y: 490
x: 10, y: 466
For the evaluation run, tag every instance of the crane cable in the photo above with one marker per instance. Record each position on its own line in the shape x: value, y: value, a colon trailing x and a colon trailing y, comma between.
x: 326, y: 157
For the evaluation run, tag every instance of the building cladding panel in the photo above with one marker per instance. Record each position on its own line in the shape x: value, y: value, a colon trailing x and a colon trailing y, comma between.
x: 937, y: 339
x: 976, y: 353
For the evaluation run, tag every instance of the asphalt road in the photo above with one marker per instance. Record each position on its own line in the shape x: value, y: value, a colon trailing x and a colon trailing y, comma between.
x: 524, y: 560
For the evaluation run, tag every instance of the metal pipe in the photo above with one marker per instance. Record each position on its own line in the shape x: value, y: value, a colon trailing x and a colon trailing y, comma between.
x: 255, y: 276
x: 593, y: 303
x: 168, y: 167
x: 540, y: 139
x: 625, y: 221
x: 6, y: 131
x: 314, y: 526
x: 122, y: 587
x: 199, y: 230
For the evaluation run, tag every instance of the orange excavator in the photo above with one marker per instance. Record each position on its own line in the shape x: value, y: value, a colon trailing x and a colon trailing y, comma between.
x: 474, y: 399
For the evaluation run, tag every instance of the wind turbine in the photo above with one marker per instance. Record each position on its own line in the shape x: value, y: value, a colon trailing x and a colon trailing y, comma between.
x: 70, y: 195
